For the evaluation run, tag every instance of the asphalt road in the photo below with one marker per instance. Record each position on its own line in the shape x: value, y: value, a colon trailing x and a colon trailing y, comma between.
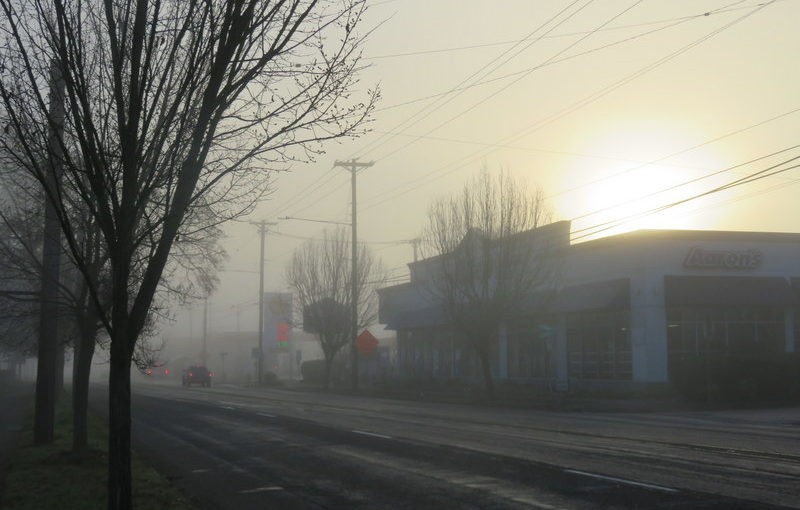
x: 240, y: 448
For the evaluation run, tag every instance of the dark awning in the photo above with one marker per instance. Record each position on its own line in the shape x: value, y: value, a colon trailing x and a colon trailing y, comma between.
x: 606, y: 295
x: 727, y: 291
x: 426, y: 317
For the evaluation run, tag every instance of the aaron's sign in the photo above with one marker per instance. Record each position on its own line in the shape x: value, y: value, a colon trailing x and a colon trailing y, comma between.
x: 699, y: 257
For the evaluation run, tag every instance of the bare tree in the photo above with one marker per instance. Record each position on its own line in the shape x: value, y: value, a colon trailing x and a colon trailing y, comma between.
x: 21, y: 266
x: 172, y: 107
x: 487, y: 258
x: 320, y: 273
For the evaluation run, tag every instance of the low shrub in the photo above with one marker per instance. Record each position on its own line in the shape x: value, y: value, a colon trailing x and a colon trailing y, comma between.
x: 313, y: 371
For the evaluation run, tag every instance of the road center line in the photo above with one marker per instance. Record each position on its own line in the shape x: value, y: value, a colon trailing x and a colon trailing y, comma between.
x: 371, y: 434
x: 266, y: 415
x: 621, y: 480
x: 228, y: 407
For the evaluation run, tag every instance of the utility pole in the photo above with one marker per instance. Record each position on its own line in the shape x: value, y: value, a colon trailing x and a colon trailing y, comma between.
x: 353, y: 166
x: 47, y: 356
x: 205, y: 331
x: 262, y: 230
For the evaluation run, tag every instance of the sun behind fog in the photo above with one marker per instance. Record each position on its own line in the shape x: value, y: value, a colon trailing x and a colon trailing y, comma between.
x: 625, y: 174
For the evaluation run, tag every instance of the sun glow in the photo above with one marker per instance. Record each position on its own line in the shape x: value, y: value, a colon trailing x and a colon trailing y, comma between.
x: 628, y: 177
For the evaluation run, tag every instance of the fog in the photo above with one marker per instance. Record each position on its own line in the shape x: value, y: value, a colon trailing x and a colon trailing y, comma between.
x: 644, y: 91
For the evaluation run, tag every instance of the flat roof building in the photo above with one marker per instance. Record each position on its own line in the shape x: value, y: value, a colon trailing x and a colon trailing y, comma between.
x: 622, y: 310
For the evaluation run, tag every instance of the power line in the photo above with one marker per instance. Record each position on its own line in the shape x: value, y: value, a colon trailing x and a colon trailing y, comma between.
x: 446, y: 169
x: 683, y: 151
x: 515, y: 81
x: 556, y: 36
x: 530, y: 69
x: 432, y: 107
x: 290, y: 200
x: 303, y: 196
x: 753, y: 177
x: 685, y: 183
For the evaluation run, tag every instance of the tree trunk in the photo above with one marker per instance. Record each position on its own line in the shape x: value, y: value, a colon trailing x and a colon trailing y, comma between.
x: 119, y: 426
x: 488, y: 381
x: 60, y: 360
x: 84, y: 352
x: 327, y: 382
x: 44, y: 418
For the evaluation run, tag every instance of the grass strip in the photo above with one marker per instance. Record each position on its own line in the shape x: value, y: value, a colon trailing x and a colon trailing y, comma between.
x: 54, y: 477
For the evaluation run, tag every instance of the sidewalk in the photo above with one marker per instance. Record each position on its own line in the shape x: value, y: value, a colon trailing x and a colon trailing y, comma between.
x: 521, y: 397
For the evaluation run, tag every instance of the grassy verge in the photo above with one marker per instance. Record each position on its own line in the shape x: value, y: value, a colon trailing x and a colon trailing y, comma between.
x: 44, y: 477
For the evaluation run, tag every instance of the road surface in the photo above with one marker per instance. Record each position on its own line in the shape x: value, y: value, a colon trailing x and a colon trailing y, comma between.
x: 240, y: 448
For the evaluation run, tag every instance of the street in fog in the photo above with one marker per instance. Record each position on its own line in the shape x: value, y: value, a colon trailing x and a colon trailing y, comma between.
x: 232, y: 447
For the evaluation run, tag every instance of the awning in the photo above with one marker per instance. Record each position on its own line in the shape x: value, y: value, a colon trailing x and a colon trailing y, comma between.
x: 605, y: 295
x: 728, y: 291
x: 422, y: 318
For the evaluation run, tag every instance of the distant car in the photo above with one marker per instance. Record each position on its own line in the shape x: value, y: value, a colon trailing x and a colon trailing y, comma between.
x: 197, y: 374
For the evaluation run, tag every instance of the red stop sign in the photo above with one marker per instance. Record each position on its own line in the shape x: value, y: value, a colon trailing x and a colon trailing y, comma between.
x: 366, y: 342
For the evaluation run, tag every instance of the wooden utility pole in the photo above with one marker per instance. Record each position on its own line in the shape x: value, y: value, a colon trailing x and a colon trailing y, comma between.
x: 47, y: 355
x: 262, y: 230
x: 353, y: 166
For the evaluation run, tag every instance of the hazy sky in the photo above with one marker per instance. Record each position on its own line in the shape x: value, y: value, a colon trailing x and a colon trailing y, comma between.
x: 565, y: 94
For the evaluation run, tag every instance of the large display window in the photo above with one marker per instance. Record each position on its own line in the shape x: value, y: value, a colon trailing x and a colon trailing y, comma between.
x: 720, y: 331
x: 599, y: 345
x: 530, y: 348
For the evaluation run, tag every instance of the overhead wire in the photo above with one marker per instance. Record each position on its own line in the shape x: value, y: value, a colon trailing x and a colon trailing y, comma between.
x: 448, y: 168
x: 435, y: 105
x: 685, y: 183
x: 515, y: 81
x: 307, y: 193
x: 530, y: 69
x: 310, y: 192
x: 770, y: 171
x: 555, y: 36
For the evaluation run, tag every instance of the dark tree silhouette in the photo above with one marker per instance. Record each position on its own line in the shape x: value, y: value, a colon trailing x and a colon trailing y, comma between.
x: 320, y: 274
x: 486, y: 258
x: 174, y: 109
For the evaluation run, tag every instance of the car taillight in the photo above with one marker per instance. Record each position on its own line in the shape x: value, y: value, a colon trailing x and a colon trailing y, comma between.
x: 166, y: 371
x: 190, y: 374
x: 210, y: 374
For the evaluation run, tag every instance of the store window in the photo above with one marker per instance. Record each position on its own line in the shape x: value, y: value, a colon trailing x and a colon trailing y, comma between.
x: 714, y: 331
x: 530, y: 345
x: 599, y: 345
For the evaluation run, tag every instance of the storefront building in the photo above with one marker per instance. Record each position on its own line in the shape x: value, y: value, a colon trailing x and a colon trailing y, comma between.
x: 622, y: 310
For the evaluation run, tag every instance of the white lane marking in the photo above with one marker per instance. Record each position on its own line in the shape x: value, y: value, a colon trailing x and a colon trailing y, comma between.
x: 261, y: 489
x: 228, y: 407
x: 371, y: 434
x: 228, y: 403
x: 200, y: 470
x: 621, y: 480
x: 266, y: 415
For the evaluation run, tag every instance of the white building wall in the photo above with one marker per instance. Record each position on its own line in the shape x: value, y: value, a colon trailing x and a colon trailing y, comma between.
x: 647, y: 261
x: 644, y: 258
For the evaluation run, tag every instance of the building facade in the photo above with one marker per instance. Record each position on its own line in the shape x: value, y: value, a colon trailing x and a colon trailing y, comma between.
x: 622, y: 311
